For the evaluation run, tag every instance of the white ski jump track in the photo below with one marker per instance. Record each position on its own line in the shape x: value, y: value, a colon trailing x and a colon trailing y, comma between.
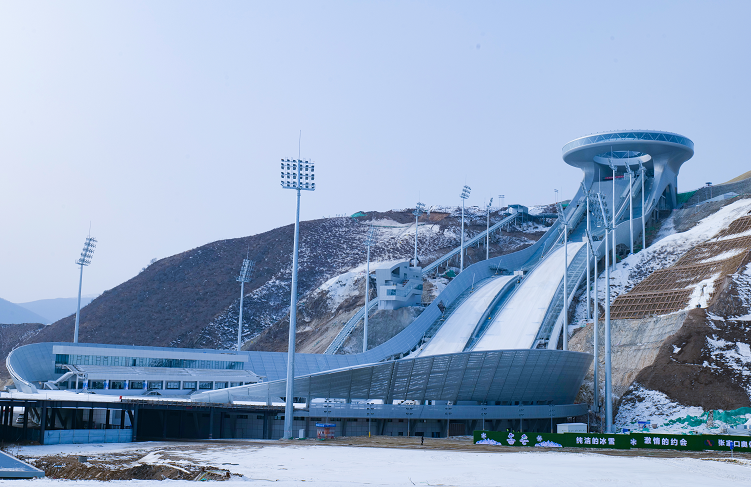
x: 516, y: 326
x: 452, y: 337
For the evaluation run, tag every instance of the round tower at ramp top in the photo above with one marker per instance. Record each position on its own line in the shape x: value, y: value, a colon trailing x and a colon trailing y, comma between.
x: 661, y: 154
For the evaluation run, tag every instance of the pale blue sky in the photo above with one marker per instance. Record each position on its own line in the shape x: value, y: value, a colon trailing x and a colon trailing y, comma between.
x: 163, y: 123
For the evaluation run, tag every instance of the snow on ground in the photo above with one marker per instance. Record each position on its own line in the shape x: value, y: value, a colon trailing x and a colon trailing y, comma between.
x: 517, y: 324
x: 669, y: 247
x: 342, y: 287
x: 671, y: 417
x: 453, y: 336
x: 323, y: 465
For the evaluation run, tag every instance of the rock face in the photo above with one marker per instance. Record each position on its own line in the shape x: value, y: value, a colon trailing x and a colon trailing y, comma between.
x: 636, y: 345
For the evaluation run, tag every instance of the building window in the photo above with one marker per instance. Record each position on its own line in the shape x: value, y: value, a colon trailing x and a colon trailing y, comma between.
x: 204, y: 385
x: 155, y: 385
x: 173, y: 384
x: 235, y: 384
x: 117, y: 384
x: 96, y: 384
x: 242, y: 416
x: 135, y: 384
x: 220, y: 385
x: 189, y: 385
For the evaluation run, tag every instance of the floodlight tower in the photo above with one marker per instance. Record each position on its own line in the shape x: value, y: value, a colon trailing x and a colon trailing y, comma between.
x: 465, y: 194
x: 298, y: 175
x: 642, y: 172
x: 487, y: 232
x: 608, y: 367
x: 596, y: 338
x: 419, y: 210
x: 245, y: 271
x: 369, y: 240
x: 88, y: 251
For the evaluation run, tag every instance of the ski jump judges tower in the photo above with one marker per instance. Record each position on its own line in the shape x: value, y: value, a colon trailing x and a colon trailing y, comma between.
x: 661, y: 154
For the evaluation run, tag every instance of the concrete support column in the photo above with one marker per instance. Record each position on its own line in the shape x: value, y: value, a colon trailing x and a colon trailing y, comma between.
x: 42, y: 422
x: 26, y: 410
x: 211, y: 423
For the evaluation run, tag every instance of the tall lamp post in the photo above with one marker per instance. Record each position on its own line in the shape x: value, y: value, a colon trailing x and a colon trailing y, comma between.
x: 298, y: 175
x: 88, y: 251
x: 487, y: 232
x: 556, y: 196
x: 608, y: 366
x: 596, y: 338
x: 368, y: 241
x: 465, y: 194
x: 419, y: 210
x: 245, y: 271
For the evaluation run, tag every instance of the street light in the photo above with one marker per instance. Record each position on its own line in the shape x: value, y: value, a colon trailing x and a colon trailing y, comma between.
x: 487, y: 232
x: 465, y: 194
x: 298, y: 175
x: 709, y: 185
x: 501, y: 199
x: 419, y: 210
x: 368, y: 242
x: 245, y: 271
x: 556, y: 196
x: 88, y: 251
x: 608, y: 368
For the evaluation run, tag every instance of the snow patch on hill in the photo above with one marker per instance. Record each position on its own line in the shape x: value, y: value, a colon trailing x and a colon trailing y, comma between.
x: 668, y: 249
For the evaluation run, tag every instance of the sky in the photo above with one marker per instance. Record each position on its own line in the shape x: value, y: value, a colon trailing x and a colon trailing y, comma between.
x: 160, y: 125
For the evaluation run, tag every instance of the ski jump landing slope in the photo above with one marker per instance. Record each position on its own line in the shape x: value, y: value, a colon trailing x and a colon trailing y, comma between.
x: 516, y: 326
x: 452, y: 337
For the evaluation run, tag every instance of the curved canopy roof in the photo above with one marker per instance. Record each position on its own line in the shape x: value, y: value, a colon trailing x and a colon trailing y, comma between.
x: 627, y: 147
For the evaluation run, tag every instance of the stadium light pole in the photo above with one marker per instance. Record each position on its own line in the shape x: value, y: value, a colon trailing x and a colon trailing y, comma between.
x: 368, y: 242
x: 487, y: 233
x: 245, y: 271
x: 86, y: 254
x: 297, y: 175
x: 643, y: 171
x: 465, y: 194
x: 419, y: 210
x: 608, y: 363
